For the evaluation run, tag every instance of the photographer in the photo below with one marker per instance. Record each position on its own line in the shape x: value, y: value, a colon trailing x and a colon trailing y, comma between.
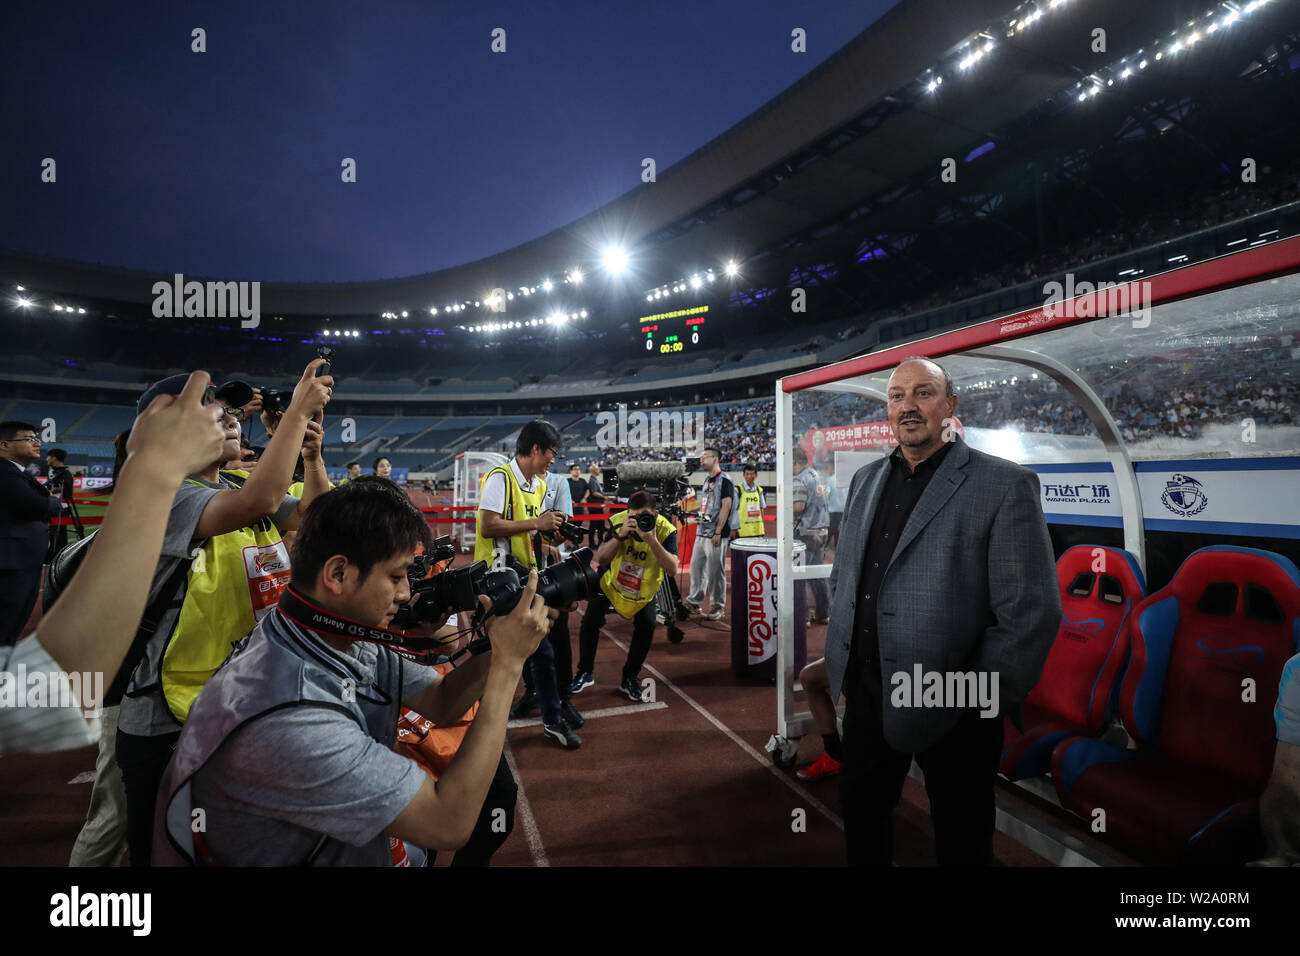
x: 717, y: 499
x: 289, y: 749
x: 511, y: 504
x: 61, y: 486
x: 90, y: 629
x: 635, y: 560
x: 223, y: 565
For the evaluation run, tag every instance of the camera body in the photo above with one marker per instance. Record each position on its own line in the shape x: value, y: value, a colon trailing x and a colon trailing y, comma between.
x: 458, y: 589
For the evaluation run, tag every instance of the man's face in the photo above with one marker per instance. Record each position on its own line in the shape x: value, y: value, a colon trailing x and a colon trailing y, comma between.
x: 539, y: 462
x: 375, y: 599
x: 918, y: 405
x: 750, y: 476
x: 575, y: 472
x: 24, y: 447
x: 383, y: 468
x: 231, y: 448
x: 354, y: 471
x: 709, y: 461
x: 51, y: 461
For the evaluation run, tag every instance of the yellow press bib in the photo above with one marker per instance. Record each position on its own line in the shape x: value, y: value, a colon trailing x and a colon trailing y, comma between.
x: 634, y: 575
x: 751, y: 512
x: 233, y: 581
x: 520, y: 506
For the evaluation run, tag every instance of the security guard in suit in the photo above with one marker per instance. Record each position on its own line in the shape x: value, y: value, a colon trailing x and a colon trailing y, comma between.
x: 26, y: 508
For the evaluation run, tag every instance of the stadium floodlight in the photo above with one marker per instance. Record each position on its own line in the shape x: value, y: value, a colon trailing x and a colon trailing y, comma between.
x: 24, y: 303
x: 21, y: 289
x: 81, y: 311
x: 510, y: 296
x: 1142, y: 65
x: 405, y: 313
x: 1128, y: 71
x: 649, y: 297
x: 546, y: 285
x: 732, y: 269
x: 696, y: 282
x: 711, y: 276
x: 932, y: 86
x: 433, y: 310
x: 583, y: 313
x: 1176, y: 46
x: 614, y: 259
x: 58, y: 308
x: 575, y: 277
x: 1160, y: 55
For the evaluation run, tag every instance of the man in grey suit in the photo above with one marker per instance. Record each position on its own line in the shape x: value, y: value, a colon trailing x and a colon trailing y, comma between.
x: 944, y: 606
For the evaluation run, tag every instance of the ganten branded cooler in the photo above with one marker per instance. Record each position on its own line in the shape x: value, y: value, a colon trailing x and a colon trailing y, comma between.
x: 753, y: 609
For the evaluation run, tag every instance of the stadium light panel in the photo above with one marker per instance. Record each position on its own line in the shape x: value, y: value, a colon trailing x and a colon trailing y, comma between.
x: 614, y: 259
x: 546, y: 285
x: 696, y: 282
x: 81, y: 311
x: 21, y: 289
x: 1142, y: 65
x: 405, y: 313
x: 575, y: 277
x: 58, y: 308
x: 24, y: 303
x: 583, y: 313
x: 510, y: 296
x: 732, y: 268
x: 712, y: 277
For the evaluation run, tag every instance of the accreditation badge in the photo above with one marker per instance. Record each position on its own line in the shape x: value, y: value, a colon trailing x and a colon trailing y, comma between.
x: 629, y: 578
x: 267, y: 568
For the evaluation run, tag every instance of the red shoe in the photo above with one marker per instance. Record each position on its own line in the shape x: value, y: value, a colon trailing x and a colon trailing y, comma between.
x: 821, y: 768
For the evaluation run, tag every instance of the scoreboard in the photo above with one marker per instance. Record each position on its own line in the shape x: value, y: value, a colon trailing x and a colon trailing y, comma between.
x: 672, y: 333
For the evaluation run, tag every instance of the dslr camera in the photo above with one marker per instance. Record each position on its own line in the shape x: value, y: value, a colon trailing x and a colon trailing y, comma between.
x: 458, y: 589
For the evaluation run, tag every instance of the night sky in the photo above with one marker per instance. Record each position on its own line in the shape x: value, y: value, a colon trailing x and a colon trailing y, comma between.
x: 227, y: 163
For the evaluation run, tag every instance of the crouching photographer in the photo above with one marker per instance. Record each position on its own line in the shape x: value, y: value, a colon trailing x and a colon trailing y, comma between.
x: 634, y: 560
x: 288, y: 752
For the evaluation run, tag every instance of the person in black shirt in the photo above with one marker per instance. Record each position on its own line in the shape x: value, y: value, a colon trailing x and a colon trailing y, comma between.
x: 944, y: 570
x: 61, y: 486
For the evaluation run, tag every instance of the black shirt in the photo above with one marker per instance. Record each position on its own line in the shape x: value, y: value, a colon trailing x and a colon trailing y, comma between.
x: 577, y: 490
x: 903, y: 489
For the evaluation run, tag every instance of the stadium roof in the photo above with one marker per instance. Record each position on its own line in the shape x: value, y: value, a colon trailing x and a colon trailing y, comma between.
x: 860, y: 123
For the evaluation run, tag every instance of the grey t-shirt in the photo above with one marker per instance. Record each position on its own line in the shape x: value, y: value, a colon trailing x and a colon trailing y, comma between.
x: 148, y: 714
x: 284, y: 779
x: 815, y: 514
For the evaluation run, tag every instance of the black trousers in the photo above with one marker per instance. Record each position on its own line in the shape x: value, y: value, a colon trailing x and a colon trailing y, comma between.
x: 488, y: 835
x: 18, y: 592
x: 143, y: 760
x: 551, y: 670
x: 643, y: 632
x: 960, y: 771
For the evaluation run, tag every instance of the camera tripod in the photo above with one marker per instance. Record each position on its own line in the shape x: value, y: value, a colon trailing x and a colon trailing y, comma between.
x: 669, y: 602
x: 58, y: 530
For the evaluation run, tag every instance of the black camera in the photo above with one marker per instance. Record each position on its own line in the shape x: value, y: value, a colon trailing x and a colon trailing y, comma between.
x: 645, y: 521
x: 457, y: 589
x: 569, y: 531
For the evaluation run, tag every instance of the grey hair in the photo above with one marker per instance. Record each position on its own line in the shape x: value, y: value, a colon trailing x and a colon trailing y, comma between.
x: 947, y: 379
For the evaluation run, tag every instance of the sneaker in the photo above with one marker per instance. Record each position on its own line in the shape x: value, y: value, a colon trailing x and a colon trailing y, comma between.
x: 563, y: 734
x: 571, y: 715
x: 818, y: 621
x: 821, y: 768
x: 524, y: 706
x: 660, y: 618
x: 717, y: 614
x: 581, y: 682
x: 690, y: 608
x: 631, y: 690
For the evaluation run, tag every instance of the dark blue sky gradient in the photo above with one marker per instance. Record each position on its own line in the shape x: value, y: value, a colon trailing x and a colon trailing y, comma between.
x: 227, y: 163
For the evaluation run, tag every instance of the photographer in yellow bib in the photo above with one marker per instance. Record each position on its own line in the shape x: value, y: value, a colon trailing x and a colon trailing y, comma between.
x: 634, y: 561
x: 223, y: 566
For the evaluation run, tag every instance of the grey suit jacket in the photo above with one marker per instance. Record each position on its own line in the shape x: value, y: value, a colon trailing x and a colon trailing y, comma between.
x: 971, y: 587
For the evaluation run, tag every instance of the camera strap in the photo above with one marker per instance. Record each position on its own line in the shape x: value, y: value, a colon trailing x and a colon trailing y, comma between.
x: 297, y: 609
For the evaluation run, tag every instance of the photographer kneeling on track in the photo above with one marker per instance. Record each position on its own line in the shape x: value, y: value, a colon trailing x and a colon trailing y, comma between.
x: 287, y: 757
x: 223, y: 565
x: 641, y: 551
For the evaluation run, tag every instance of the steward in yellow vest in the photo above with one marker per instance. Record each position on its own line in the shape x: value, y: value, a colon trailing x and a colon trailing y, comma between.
x: 634, y: 563
x: 752, y: 503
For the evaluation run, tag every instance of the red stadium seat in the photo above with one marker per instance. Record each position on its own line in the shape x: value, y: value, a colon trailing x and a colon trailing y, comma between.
x: 1187, y: 793
x: 1075, y: 696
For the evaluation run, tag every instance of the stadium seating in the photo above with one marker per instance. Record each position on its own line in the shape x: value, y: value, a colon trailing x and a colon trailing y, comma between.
x: 1197, y: 698
x: 1076, y: 694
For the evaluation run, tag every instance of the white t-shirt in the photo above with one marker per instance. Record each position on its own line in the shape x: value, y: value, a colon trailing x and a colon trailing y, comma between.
x: 38, y: 711
x: 493, y: 497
